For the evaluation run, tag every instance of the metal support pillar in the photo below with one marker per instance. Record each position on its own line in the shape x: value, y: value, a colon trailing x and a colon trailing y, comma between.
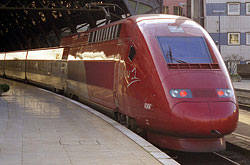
x: 51, y: 21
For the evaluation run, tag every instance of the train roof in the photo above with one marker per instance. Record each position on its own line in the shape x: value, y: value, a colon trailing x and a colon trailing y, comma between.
x: 138, y: 18
x: 135, y: 19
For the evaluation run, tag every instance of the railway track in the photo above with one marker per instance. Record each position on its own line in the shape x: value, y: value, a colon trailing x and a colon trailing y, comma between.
x: 244, y: 107
x: 213, y: 158
x: 233, y: 155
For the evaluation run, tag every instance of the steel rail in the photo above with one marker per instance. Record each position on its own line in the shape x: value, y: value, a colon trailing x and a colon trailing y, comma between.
x: 226, y: 158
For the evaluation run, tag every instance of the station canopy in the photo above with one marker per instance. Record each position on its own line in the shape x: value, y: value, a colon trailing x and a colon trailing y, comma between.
x: 30, y: 24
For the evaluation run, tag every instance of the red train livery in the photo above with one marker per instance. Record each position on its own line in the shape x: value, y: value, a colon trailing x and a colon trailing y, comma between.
x: 161, y: 74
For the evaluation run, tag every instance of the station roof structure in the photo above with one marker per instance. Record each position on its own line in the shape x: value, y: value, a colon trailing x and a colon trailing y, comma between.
x: 29, y: 24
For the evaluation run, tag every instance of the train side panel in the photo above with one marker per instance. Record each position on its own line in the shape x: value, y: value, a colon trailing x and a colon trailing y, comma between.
x: 2, y: 56
x: 97, y: 56
x: 44, y: 67
x: 76, y: 82
x: 100, y: 80
x: 95, y: 77
x: 15, y: 65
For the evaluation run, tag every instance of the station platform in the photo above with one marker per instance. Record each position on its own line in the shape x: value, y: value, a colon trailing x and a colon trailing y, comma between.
x: 41, y: 128
x: 241, y: 136
x: 243, y: 85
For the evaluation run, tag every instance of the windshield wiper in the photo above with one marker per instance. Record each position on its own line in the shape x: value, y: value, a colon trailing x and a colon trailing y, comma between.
x: 169, y: 54
x: 179, y: 61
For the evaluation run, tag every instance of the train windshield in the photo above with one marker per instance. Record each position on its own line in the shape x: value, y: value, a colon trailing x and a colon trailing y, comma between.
x: 185, y: 50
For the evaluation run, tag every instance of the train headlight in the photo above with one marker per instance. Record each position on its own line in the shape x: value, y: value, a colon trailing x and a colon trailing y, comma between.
x: 225, y: 92
x: 181, y: 93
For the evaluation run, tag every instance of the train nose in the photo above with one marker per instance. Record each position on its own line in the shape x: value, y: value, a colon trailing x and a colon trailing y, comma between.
x: 224, y: 116
x: 204, y: 119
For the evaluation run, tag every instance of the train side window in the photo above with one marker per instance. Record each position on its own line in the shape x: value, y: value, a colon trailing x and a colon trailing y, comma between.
x: 110, y: 33
x: 93, y: 36
x: 90, y: 37
x: 101, y: 35
x: 113, y: 32
x: 39, y: 66
x: 132, y: 53
x: 96, y: 36
x: 107, y: 38
x: 104, y: 35
x: 117, y: 32
x: 107, y: 34
x: 93, y: 39
x: 31, y: 65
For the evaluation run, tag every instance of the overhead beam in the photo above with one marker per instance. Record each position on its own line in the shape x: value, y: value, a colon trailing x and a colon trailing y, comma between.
x: 48, y: 9
x: 30, y: 23
x: 54, y: 5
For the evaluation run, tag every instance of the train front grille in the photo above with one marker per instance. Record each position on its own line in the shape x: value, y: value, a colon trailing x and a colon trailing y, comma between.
x: 204, y: 93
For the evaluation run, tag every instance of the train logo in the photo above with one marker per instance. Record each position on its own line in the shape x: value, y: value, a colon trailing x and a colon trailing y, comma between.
x: 131, y: 77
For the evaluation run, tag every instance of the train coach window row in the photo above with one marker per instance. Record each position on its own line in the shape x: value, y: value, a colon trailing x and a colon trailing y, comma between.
x: 38, y: 66
x: 106, y: 34
x: 14, y: 64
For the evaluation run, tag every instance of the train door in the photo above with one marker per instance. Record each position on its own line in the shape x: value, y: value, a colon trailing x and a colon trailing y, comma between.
x: 64, y: 70
x: 123, y: 46
x: 118, y: 79
x: 2, y: 61
x: 25, y: 66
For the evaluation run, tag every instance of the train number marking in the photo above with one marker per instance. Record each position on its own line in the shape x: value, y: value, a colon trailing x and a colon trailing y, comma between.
x: 147, y: 106
x: 131, y: 75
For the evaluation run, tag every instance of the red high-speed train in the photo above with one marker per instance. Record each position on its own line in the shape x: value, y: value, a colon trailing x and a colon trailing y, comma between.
x: 162, y: 74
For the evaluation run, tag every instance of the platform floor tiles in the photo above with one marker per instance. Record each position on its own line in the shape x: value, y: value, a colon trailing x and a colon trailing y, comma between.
x: 39, y: 128
x: 241, y: 136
